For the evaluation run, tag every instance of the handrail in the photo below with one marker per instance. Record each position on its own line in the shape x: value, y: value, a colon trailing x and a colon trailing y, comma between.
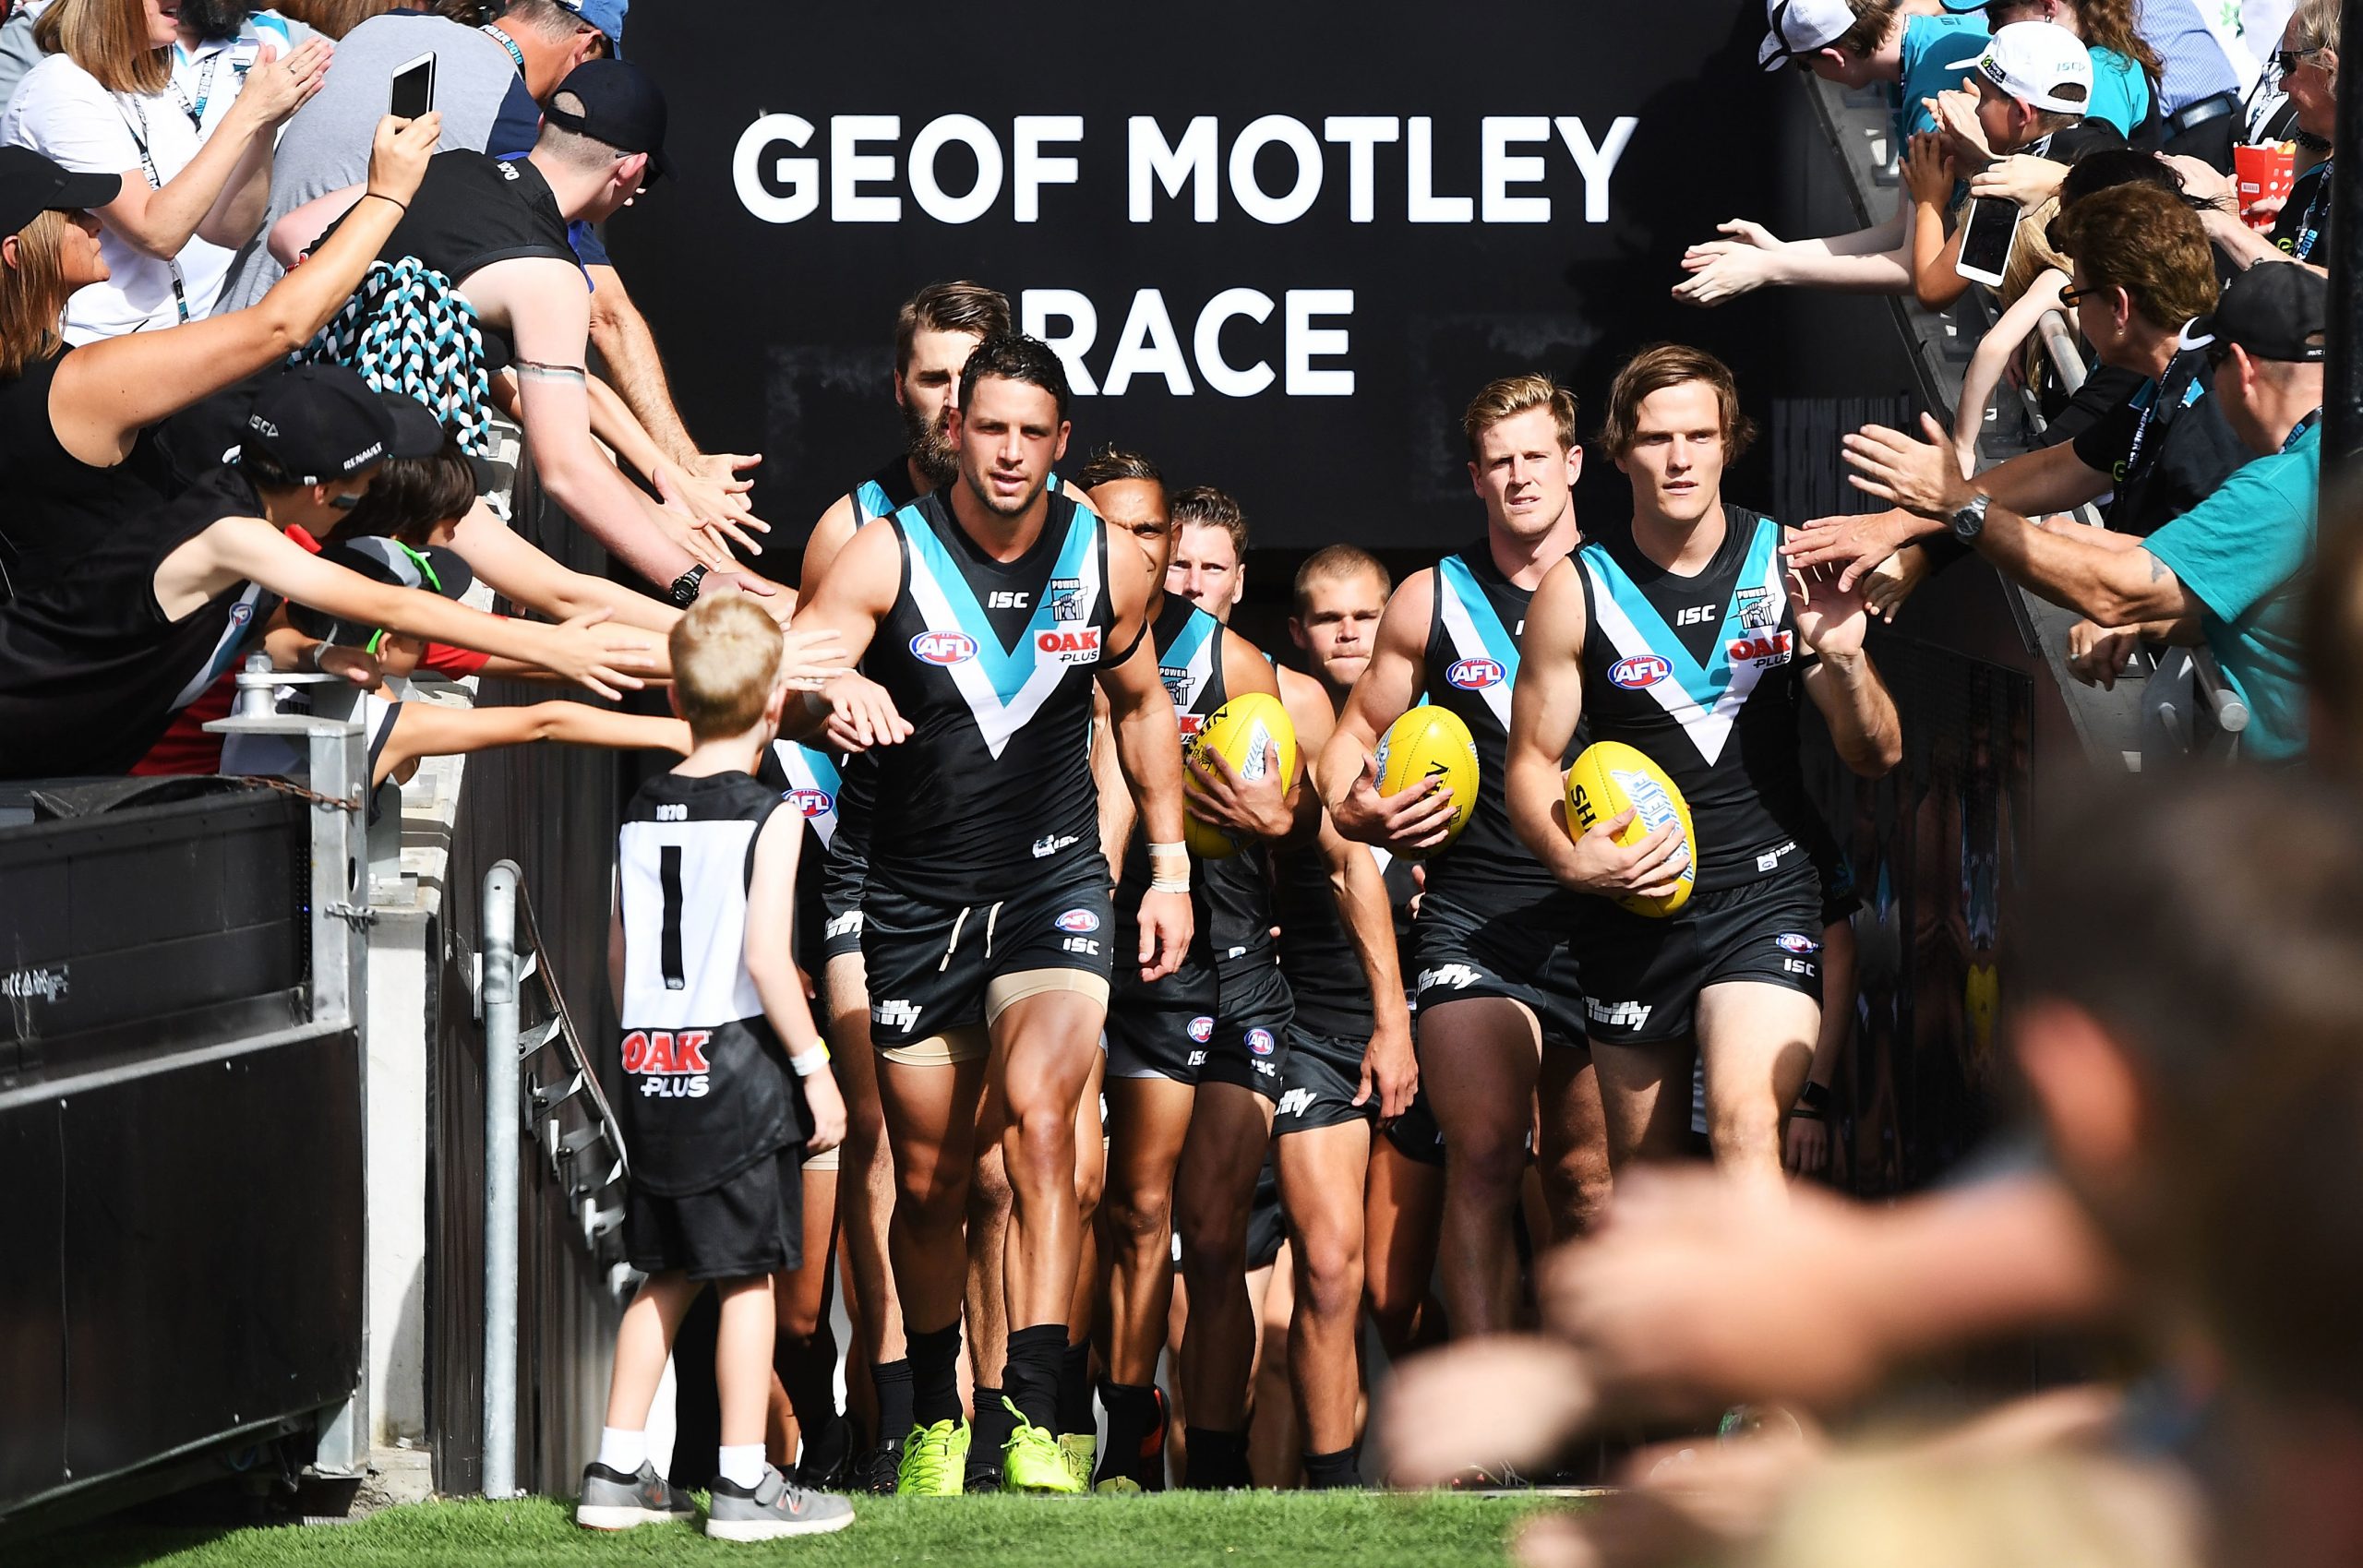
x: 2231, y: 714
x: 2060, y: 345
x: 500, y: 1128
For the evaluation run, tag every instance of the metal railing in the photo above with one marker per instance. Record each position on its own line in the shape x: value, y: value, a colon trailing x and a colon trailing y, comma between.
x: 536, y: 1075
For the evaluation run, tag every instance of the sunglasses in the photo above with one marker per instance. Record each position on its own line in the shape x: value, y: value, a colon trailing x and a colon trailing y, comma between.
x: 2072, y: 298
x: 2285, y: 61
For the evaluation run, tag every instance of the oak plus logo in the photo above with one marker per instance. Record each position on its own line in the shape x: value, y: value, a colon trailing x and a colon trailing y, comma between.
x: 670, y: 1065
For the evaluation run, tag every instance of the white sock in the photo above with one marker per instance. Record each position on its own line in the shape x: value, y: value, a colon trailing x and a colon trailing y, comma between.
x: 742, y: 1463
x: 622, y: 1451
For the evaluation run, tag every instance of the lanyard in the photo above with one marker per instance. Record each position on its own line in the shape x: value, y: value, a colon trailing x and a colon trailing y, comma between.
x: 195, y: 111
x: 2173, y: 389
x: 2309, y: 229
x: 155, y: 181
x: 2302, y: 426
x: 516, y: 55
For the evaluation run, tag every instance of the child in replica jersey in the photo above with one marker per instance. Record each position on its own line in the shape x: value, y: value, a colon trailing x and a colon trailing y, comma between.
x: 726, y: 1085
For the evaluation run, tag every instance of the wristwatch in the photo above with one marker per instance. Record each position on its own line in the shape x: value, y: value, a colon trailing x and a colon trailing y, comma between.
x: 1970, y: 521
x: 1813, y: 1101
x: 685, y: 587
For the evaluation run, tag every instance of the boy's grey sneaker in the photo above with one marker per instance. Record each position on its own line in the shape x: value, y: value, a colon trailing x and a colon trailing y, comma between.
x: 771, y: 1508
x: 614, y: 1500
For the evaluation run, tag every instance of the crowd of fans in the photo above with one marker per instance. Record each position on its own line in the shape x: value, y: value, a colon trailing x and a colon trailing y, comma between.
x: 253, y: 332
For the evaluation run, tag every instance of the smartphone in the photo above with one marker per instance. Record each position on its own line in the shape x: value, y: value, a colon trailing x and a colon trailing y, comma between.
x: 1986, y: 238
x: 413, y: 88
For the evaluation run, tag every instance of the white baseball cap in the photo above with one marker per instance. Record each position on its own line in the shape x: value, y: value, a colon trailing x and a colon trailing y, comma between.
x: 1800, y: 27
x: 2041, y: 64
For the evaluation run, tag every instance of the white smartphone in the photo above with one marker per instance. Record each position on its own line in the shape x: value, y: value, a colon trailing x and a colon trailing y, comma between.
x: 1986, y: 238
x: 413, y: 92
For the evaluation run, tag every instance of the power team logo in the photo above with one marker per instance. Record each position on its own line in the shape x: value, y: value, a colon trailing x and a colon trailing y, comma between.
x: 671, y: 1066
x: 1638, y: 673
x: 1201, y: 1029
x: 1065, y: 597
x: 1260, y: 1041
x: 1077, y: 920
x: 1475, y: 674
x: 943, y: 648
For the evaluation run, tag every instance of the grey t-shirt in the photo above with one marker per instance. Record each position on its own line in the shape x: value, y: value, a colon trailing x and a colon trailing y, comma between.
x: 326, y: 145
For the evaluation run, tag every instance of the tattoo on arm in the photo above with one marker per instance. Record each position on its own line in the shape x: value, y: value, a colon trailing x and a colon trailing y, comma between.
x: 2157, y: 567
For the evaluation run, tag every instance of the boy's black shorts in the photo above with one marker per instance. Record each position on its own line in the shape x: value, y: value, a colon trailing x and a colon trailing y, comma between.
x: 751, y: 1226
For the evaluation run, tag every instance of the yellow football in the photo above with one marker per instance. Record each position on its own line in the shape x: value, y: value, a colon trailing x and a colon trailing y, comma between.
x: 1611, y: 777
x: 1240, y: 732
x: 1431, y: 742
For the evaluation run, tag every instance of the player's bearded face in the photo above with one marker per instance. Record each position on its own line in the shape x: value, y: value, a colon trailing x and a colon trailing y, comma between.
x: 928, y: 434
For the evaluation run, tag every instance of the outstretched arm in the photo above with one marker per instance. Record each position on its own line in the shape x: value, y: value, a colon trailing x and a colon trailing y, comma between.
x: 433, y: 729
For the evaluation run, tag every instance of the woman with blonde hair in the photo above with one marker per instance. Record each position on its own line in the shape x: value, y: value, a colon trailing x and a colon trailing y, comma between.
x: 72, y: 418
x: 104, y: 102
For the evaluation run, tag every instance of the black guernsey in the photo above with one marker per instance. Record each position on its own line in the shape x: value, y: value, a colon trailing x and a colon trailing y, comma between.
x: 706, y: 1091
x: 1189, y: 660
x: 91, y: 669
x: 1474, y: 634
x: 992, y: 664
x: 1317, y: 957
x: 883, y: 494
x: 1702, y: 675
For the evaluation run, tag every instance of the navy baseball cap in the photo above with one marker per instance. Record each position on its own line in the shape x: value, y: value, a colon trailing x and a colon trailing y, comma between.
x: 607, y: 15
x: 2272, y: 310
x: 318, y: 423
x: 616, y: 102
x: 31, y: 185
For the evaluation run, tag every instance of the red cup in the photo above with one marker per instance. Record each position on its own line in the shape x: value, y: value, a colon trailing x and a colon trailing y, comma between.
x: 2265, y: 174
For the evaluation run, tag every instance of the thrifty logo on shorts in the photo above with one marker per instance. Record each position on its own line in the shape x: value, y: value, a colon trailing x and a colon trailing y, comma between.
x: 900, y: 1015
x: 1618, y: 1015
x: 1459, y: 976
x: 1296, y: 1102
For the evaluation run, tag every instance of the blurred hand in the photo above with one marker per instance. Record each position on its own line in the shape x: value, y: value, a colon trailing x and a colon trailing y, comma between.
x: 810, y: 660
x: 1853, y: 542
x: 1650, y: 1301
x: 862, y: 714
x: 602, y: 657
x: 1805, y: 1151
x: 1510, y: 1399
x: 1921, y: 476
x: 828, y: 1105
x: 2097, y: 654
x: 2201, y: 181
x: 1831, y: 618
x: 1725, y: 269
x: 723, y: 466
x: 719, y: 506
x: 1887, y: 585
x: 1927, y: 172
x: 1675, y: 1504
x: 1964, y: 138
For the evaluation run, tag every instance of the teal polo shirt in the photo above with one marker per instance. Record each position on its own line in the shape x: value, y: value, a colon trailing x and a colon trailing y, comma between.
x: 1931, y: 44
x: 2242, y: 552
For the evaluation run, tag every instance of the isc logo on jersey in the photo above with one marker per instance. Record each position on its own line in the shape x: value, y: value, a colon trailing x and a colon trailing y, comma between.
x: 671, y: 1066
x: 1638, y: 673
x: 1475, y: 674
x: 809, y: 802
x: 943, y: 647
x: 1070, y: 645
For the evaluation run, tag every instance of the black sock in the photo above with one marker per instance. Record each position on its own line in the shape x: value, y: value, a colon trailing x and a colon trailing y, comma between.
x: 890, y: 1383
x: 1326, y: 1471
x: 1217, y: 1460
x: 807, y: 1365
x: 935, y: 1376
x: 1031, y: 1373
x: 989, y: 1431
x: 1074, y: 1391
x: 1136, y: 1434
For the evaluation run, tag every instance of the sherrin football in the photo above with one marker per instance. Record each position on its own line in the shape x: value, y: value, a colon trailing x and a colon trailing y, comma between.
x: 1610, y: 777
x: 1429, y: 742
x: 1239, y: 732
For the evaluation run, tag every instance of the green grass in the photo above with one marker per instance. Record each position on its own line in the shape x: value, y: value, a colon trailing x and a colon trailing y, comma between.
x: 1174, y: 1530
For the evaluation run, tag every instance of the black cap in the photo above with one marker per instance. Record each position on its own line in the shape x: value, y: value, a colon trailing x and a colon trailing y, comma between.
x: 2274, y: 310
x: 318, y: 422
x: 616, y: 102
x: 31, y: 185
x: 434, y: 570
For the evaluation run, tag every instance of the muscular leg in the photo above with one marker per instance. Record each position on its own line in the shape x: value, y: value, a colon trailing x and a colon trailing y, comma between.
x: 932, y: 1121
x: 1274, y: 1436
x: 1045, y: 1049
x: 1573, y: 1152
x: 1401, y: 1213
x: 1229, y: 1130
x: 1148, y: 1118
x: 1075, y: 1417
x: 865, y: 1197
x: 989, y: 1200
x: 1479, y: 1059
x: 1756, y: 1040
x: 1645, y: 1099
x: 1322, y: 1174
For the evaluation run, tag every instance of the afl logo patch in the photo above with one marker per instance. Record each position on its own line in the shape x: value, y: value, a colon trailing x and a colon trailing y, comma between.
x: 1077, y: 920
x: 1638, y: 673
x: 809, y: 802
x: 1475, y: 674
x: 943, y: 647
x: 241, y: 612
x: 1260, y: 1041
x: 1792, y: 943
x: 1201, y: 1029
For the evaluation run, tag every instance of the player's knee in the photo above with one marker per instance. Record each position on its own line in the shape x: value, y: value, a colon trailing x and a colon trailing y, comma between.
x: 1750, y: 1128
x: 1090, y: 1189
x: 1213, y: 1241
x: 1330, y: 1274
x: 1042, y: 1146
x: 1140, y: 1220
x: 1492, y: 1164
